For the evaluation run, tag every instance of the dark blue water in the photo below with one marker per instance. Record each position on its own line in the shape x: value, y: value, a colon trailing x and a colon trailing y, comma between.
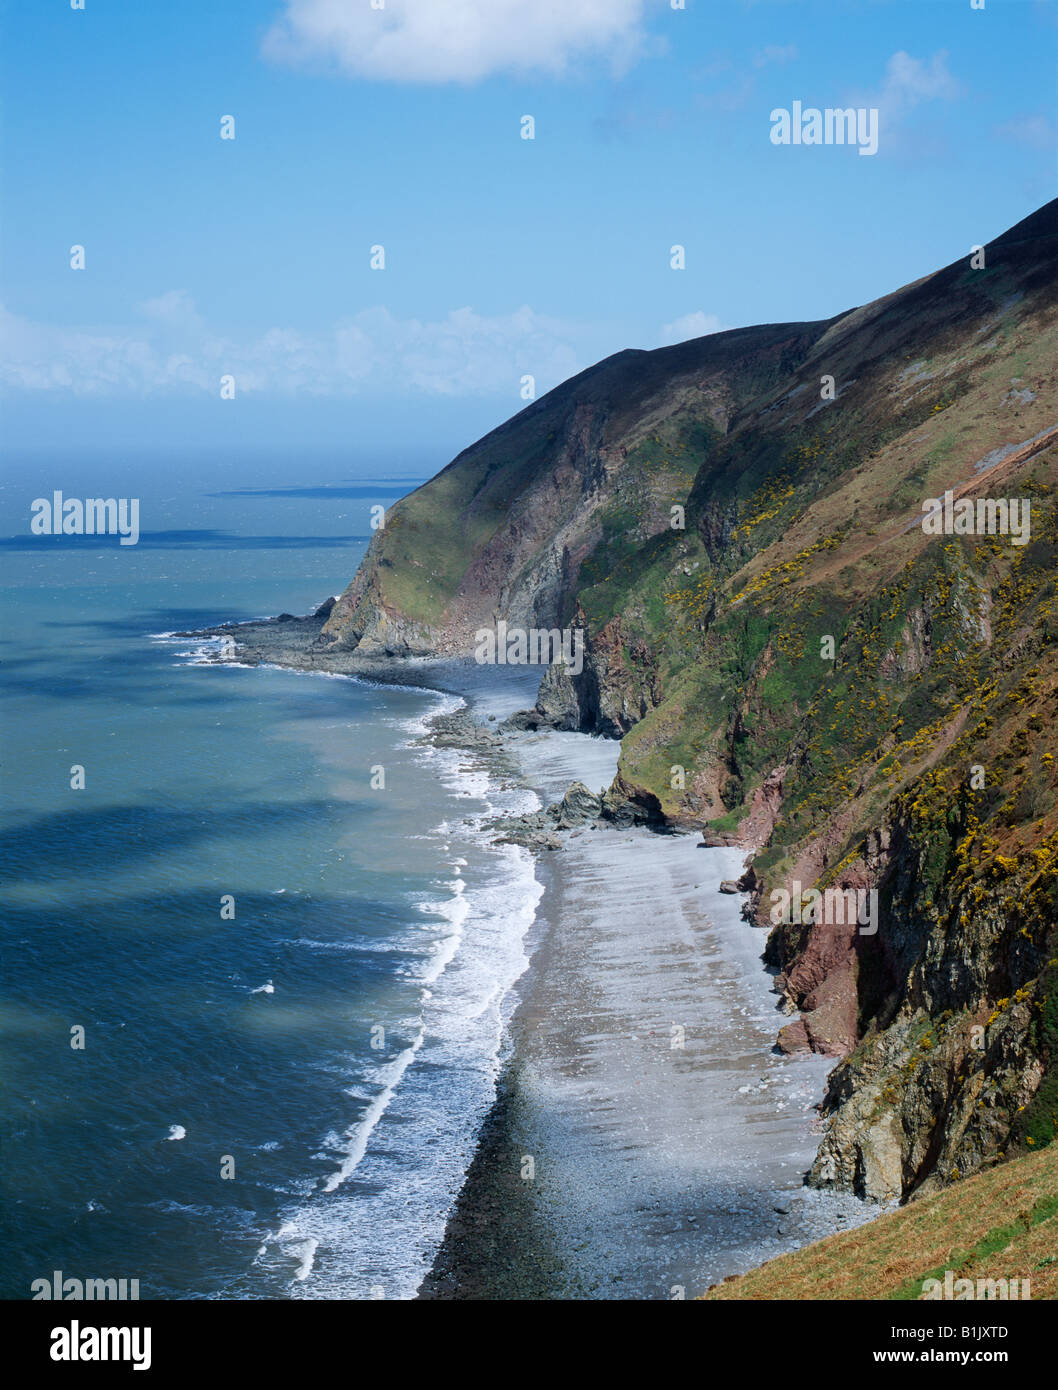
x: 276, y: 1105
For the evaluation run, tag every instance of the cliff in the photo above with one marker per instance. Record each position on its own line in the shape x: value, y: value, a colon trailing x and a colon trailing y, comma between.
x: 793, y: 662
x: 506, y: 530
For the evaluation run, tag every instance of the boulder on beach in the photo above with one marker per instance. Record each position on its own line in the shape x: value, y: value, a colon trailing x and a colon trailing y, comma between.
x: 579, y: 805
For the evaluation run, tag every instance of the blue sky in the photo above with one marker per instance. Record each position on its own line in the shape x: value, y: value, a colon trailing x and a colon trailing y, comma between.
x: 504, y: 257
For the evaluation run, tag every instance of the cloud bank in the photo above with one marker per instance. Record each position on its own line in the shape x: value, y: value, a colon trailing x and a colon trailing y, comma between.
x: 455, y: 41
x: 174, y: 350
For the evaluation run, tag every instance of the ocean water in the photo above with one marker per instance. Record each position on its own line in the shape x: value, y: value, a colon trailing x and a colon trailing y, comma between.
x: 283, y: 1104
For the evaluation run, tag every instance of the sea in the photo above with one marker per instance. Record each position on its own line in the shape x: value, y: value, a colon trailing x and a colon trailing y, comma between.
x: 252, y: 998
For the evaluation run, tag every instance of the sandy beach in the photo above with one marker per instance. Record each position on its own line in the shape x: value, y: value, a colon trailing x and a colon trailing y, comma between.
x: 646, y: 1141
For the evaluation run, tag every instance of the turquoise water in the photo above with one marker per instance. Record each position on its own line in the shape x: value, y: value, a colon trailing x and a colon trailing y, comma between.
x: 276, y: 1105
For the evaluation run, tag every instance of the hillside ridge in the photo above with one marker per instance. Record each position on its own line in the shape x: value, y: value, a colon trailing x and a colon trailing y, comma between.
x: 795, y: 663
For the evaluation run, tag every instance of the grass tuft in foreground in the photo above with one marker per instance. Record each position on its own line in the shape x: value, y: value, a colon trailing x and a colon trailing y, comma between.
x: 999, y: 1224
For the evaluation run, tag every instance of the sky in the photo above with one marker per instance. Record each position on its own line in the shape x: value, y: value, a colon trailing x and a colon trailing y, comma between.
x: 400, y: 125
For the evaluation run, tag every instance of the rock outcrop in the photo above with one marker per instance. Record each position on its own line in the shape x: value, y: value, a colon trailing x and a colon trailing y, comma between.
x: 538, y: 830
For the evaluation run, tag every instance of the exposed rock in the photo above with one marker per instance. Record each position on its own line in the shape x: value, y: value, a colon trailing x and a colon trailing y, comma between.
x: 529, y: 837
x: 793, y: 1039
x: 577, y: 806
x: 459, y: 729
x: 556, y: 700
x: 620, y: 809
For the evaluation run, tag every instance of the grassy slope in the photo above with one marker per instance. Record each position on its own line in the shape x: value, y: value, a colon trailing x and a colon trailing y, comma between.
x: 999, y: 1224
x: 653, y: 411
x: 947, y: 659
x: 814, y: 506
x: 803, y: 521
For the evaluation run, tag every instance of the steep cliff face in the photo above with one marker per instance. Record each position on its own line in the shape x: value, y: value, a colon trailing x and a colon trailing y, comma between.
x: 802, y: 667
x: 590, y: 471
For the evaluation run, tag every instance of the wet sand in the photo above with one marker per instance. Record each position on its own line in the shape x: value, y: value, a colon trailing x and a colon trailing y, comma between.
x: 667, y: 1140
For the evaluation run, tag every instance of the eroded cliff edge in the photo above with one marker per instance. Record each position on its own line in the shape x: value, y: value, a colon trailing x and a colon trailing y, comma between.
x: 793, y: 663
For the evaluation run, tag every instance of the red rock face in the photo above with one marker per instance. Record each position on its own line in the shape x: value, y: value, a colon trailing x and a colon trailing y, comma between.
x: 765, y: 806
x: 822, y: 982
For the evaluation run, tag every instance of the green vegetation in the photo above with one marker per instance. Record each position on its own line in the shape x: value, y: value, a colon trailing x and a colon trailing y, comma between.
x: 867, y: 703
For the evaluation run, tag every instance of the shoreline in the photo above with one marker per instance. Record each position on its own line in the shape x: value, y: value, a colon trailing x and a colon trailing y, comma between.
x: 658, y: 1171
x: 658, y: 1168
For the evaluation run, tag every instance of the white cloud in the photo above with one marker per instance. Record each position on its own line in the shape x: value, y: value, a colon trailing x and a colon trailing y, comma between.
x: 175, y: 307
x: 1038, y: 132
x: 909, y: 81
x: 455, y: 40
x: 775, y: 53
x: 695, y: 325
x: 462, y: 354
